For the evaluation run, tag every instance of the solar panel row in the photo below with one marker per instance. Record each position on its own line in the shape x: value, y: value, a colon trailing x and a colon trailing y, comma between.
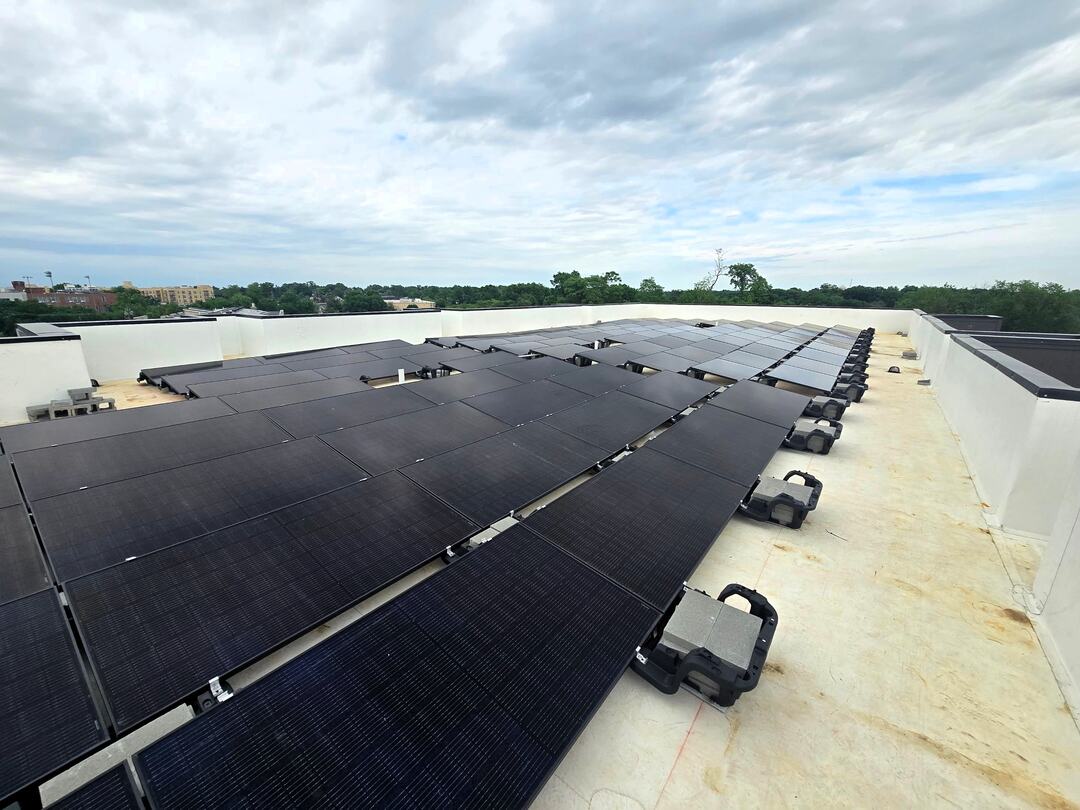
x: 512, y: 648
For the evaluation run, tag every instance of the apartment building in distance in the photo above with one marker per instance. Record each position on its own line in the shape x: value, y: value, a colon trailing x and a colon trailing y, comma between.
x: 408, y: 303
x: 181, y: 295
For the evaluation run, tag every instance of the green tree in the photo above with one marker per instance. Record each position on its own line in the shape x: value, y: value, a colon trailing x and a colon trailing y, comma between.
x: 357, y: 300
x: 649, y: 290
x: 742, y: 276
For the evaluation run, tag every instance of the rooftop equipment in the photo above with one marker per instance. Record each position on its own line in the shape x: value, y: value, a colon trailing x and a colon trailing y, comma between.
x: 708, y: 647
x: 814, y: 435
x: 830, y: 407
x: 783, y: 501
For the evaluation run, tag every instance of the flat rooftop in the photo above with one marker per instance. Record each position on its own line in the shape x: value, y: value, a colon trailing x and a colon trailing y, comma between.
x: 904, y: 670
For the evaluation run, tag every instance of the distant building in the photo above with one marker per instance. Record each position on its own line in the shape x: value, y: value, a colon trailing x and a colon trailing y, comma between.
x: 181, y: 295
x: 98, y: 300
x: 408, y: 303
x: 12, y: 295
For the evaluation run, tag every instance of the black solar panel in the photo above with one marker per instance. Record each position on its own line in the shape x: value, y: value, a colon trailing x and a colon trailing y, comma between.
x: 217, y: 389
x: 459, y: 386
x: 35, y: 435
x: 22, y: 570
x: 528, y: 401
x: 612, y: 420
x: 91, y: 529
x: 697, y: 354
x: 420, y: 724
x: 828, y: 348
x: 332, y: 413
x: 373, y: 369
x: 766, y: 350
x: 644, y: 522
x: 800, y: 376
x: 485, y: 360
x: 489, y: 479
x: 110, y: 791
x: 725, y: 344
x: 725, y: 368
x: 747, y: 358
x: 829, y: 367
x: 291, y: 394
x: 596, y: 379
x: 728, y: 444
x: 180, y: 382
x: 392, y: 443
x: 764, y: 402
x: 642, y: 347
x: 535, y: 369
x: 560, y: 351
x: 47, y: 718
x: 9, y: 488
x: 153, y: 375
x: 310, y: 354
x: 53, y: 470
x: 670, y: 390
x: 348, y: 358
x: 662, y: 361
x: 823, y: 357
x: 436, y: 359
x: 612, y: 355
x: 670, y: 341
x: 405, y: 351
x: 159, y: 627
x: 358, y: 348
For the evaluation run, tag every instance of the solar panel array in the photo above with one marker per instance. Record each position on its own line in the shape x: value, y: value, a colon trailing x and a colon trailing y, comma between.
x: 191, y: 539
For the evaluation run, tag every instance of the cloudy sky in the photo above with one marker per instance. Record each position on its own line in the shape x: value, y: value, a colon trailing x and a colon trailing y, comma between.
x: 848, y: 142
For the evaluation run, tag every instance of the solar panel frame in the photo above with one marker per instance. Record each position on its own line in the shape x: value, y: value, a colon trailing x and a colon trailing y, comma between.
x: 22, y: 568
x: 111, y: 790
x: 373, y: 369
x: 47, y: 721
x: 212, y: 605
x: 644, y: 522
x: 723, y: 443
x: 760, y: 401
x: 612, y: 355
x: 495, y: 477
x: 178, y: 383
x: 662, y: 361
x: 364, y: 348
x: 292, y: 394
x: 727, y: 369
x: 482, y: 360
x: 747, y: 358
x: 304, y: 419
x: 87, y: 530
x: 308, y: 354
x: 674, y: 391
x: 813, y: 380
x: 611, y: 421
x: 81, y: 465
x: 36, y: 435
x: 389, y: 444
x: 223, y: 387
x: 560, y: 351
x: 347, y: 358
x: 527, y: 402
x: 396, y: 748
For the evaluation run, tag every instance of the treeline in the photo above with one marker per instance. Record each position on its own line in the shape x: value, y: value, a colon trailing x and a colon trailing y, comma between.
x: 1026, y: 306
x: 129, y: 304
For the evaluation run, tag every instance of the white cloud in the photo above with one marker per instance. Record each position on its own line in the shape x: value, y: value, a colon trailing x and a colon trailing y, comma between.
x: 499, y: 142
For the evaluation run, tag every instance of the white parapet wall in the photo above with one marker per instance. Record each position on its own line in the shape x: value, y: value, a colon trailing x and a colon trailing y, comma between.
x: 37, y: 370
x: 119, y: 350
